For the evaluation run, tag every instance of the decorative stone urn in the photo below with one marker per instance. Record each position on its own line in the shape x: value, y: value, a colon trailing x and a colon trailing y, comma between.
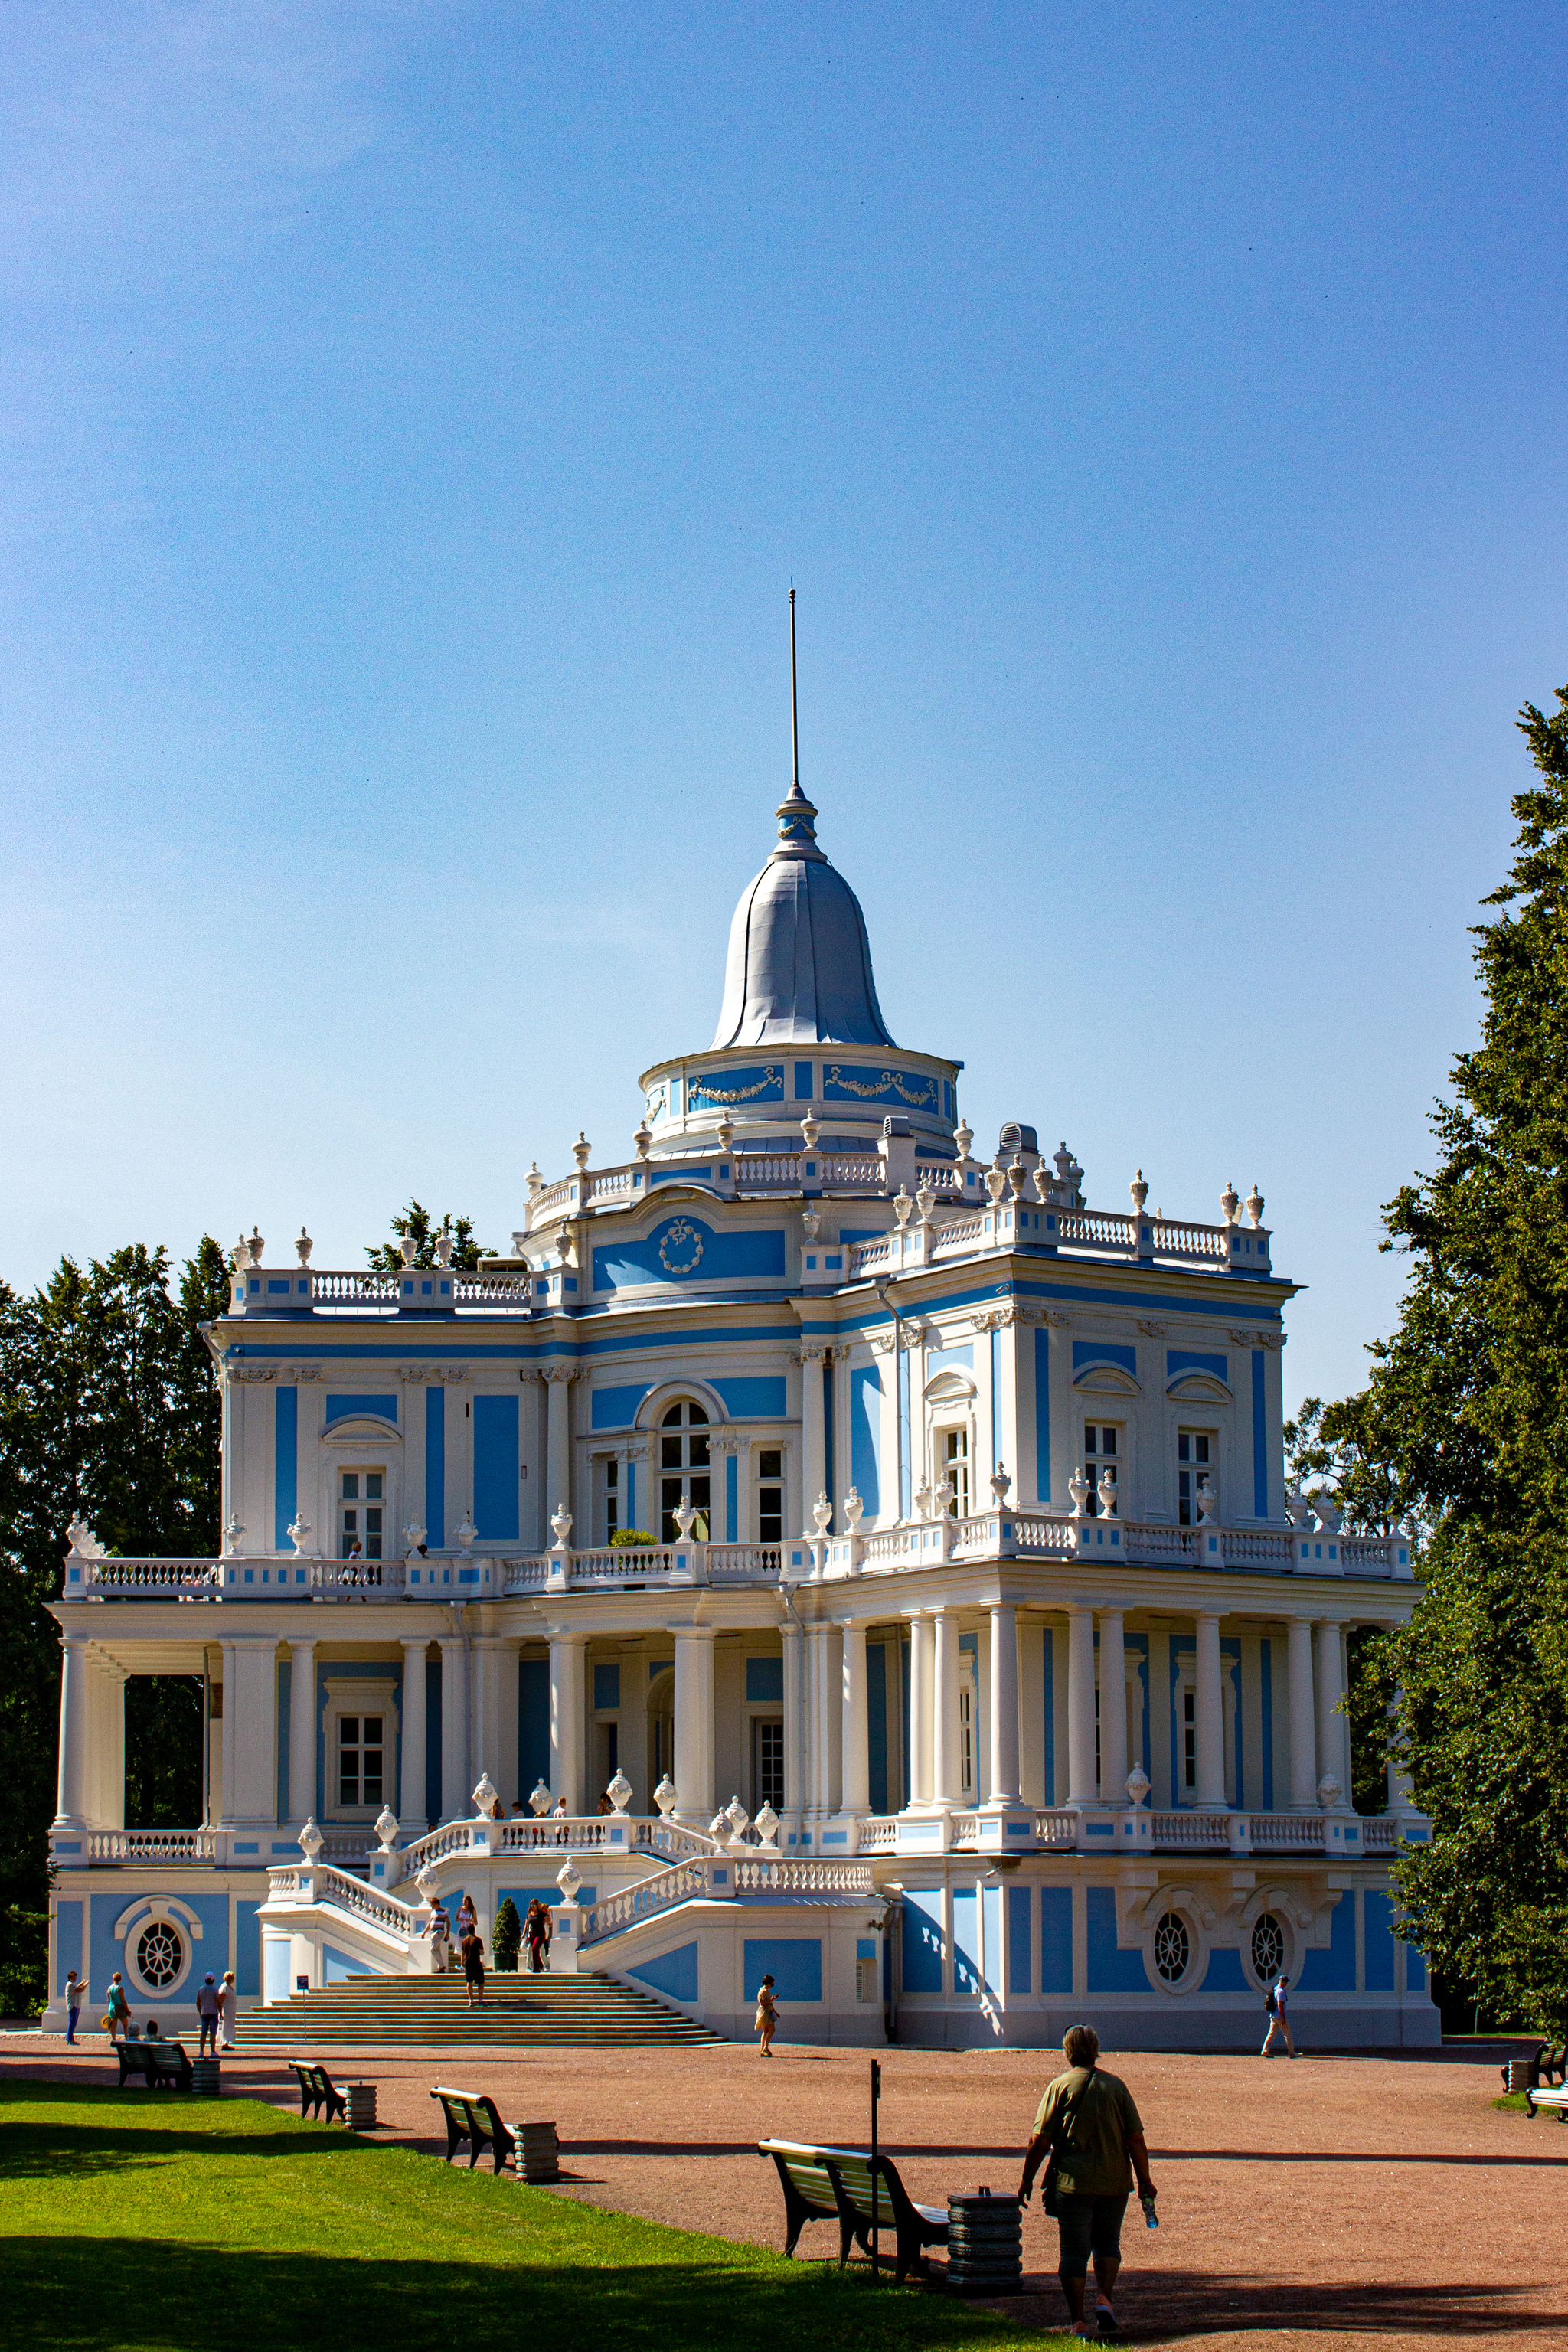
x: 767, y: 1830
x: 561, y: 1520
x: 466, y: 1535
x: 569, y: 1878
x: 853, y: 1510
x: 667, y: 1796
x: 1297, y: 1509
x: 995, y: 1184
x: 737, y: 1816
x: 1208, y: 1503
x: 1077, y: 1488
x: 426, y: 1880
x: 386, y: 1827
x: 485, y: 1795
x: 303, y: 1247
x: 414, y: 1535
x: 538, y: 1802
x: 234, y: 1534
x: 311, y: 1840
x: 925, y: 1201
x: 809, y: 1131
x: 1138, y: 1784
x: 903, y: 1207
x: 685, y: 1518
x: 1107, y: 1493
x: 297, y: 1533
x: 923, y: 1499
x: 1328, y: 1792
x: 822, y: 1512
x: 963, y: 1136
x: 1140, y: 1192
x: 719, y: 1828
x: 619, y: 1792
x: 1000, y: 1483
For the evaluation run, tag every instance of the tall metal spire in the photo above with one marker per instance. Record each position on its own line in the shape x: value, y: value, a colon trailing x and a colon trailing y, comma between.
x: 797, y: 832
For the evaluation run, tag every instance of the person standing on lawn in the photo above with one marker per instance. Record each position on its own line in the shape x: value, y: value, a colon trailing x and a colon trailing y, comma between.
x: 1087, y: 2123
x: 1276, y: 2002
x: 73, y: 2005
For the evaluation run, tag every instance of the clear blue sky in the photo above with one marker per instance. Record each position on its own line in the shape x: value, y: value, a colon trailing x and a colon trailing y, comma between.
x: 413, y: 416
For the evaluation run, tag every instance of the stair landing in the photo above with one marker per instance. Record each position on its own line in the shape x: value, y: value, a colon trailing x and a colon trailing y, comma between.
x: 527, y: 2012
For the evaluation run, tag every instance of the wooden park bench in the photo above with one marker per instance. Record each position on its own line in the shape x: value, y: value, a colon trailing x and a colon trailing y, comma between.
x: 823, y: 2184
x: 1548, y: 2065
x: 1536, y: 2098
x: 316, y: 2090
x: 155, y: 2062
x: 472, y: 2116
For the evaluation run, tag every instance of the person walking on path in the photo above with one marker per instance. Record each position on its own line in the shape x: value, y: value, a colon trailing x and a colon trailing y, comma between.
x: 228, y: 2009
x: 206, y: 2016
x: 73, y: 2005
x: 767, y: 2018
x: 1276, y: 2002
x: 1091, y: 2136
x: 474, y: 1968
x: 118, y: 2019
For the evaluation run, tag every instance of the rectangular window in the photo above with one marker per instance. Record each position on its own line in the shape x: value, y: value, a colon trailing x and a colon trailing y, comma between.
x: 767, y: 1763
x: 952, y: 1456
x: 770, y: 1495
x: 360, y: 1759
x: 1189, y: 1737
x: 1101, y: 1458
x: 1195, y: 1450
x: 362, y: 1502
x: 612, y: 1499
x: 966, y: 1740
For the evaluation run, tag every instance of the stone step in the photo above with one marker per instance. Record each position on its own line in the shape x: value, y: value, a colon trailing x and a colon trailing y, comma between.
x: 591, y: 2012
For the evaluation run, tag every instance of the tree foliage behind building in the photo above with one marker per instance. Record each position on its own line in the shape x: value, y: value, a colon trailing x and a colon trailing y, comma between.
x: 1465, y: 1420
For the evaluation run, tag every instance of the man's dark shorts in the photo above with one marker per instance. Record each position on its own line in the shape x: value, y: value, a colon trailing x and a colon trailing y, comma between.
x: 1088, y: 2225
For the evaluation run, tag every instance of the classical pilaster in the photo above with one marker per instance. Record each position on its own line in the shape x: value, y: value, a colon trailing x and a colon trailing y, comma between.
x: 250, y: 1732
x: 922, y: 1673
x: 411, y: 1811
x: 947, y: 1787
x: 694, y: 1724
x: 568, y: 1668
x: 558, y: 1380
x: 1004, y: 1773
x: 1303, y: 1737
x: 794, y: 1806
x: 457, y: 1801
x: 1209, y: 1795
x: 1035, y: 1662
x: 813, y: 1355
x: 1083, y: 1787
x: 302, y: 1796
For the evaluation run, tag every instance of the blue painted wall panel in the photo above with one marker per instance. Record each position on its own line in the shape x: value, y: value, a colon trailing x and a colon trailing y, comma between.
x: 68, y: 1943
x: 1259, y: 1436
x: 765, y: 1681
x: 533, y: 1725
x: 435, y: 1464
x: 866, y: 1435
x: 615, y: 1408
x: 966, y: 1972
x: 731, y: 1498
x: 1043, y: 1418
x: 246, y: 1960
x: 285, y: 1464
x: 795, y: 1963
x: 1056, y: 1939
x: 497, y: 1465
x: 684, y: 1249
x: 921, y: 1926
x: 1104, y: 1352
x: 1377, y: 1940
x: 1111, y: 1970
x: 344, y: 1408
x: 1020, y: 1957
x: 1183, y: 1359
x: 1333, y: 1970
x: 1225, y: 1974
x: 606, y: 1688
x: 761, y: 1398
x: 673, y: 1973
x: 285, y: 1708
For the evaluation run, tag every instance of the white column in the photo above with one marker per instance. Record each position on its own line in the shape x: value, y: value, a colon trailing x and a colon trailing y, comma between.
x: 558, y: 1449
x: 568, y: 1653
x: 1112, y: 1709
x: 1303, y: 1739
x: 795, y: 1729
x: 1082, y: 1786
x: 694, y: 1724
x: 411, y: 1812
x: 947, y: 1788
x: 857, y: 1752
x: 1330, y: 1690
x: 1209, y: 1794
x: 116, y: 1679
x: 921, y: 1668
x: 302, y: 1731
x: 457, y: 1800
x: 76, y: 1708
x: 251, y: 1732
x: 813, y: 1448
x: 1004, y: 1705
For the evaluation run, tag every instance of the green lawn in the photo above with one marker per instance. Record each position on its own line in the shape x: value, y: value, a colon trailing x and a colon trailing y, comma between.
x: 132, y: 2219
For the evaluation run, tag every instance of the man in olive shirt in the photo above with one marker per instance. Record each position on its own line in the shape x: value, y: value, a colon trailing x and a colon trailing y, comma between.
x: 1100, y: 2146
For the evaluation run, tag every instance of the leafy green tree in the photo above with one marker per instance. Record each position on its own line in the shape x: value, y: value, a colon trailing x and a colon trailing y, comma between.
x: 1466, y: 1417
x: 415, y: 1223
x: 506, y: 1936
x: 107, y: 1412
x: 1335, y: 1448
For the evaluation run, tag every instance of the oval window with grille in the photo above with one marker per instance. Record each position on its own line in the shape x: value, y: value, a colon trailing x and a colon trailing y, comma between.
x: 1268, y: 1947
x: 1173, y: 1947
x: 159, y: 1955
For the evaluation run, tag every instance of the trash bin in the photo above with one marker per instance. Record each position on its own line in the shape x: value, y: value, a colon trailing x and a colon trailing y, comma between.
x: 206, y: 2079
x: 984, y: 2243
x: 361, y: 2106
x: 538, y: 2151
x: 1523, y: 2073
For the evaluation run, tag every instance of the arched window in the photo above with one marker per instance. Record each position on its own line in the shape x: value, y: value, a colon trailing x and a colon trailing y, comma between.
x: 1268, y: 1947
x: 1173, y: 1947
x: 683, y: 1469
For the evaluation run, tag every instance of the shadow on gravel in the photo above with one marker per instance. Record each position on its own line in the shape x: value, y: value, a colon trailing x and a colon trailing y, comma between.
x: 1166, y: 2306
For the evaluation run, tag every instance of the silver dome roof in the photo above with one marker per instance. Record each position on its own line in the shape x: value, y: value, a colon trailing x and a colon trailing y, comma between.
x: 799, y: 968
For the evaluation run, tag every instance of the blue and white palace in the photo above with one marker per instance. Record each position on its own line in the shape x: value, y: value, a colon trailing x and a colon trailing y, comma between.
x: 977, y: 1672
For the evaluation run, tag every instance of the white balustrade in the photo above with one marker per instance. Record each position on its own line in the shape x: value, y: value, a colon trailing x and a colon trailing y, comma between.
x: 1192, y: 1829
x: 1249, y: 1548
x: 745, y: 1563
x: 879, y: 1833
x: 177, y: 1846
x: 173, y: 1577
x: 965, y: 1832
x: 354, y: 1289
x: 1055, y: 1826
x: 1381, y: 1833
x: 1285, y: 1832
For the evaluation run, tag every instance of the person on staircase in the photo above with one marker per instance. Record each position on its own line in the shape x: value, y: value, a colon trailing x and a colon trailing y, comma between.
x: 474, y: 1968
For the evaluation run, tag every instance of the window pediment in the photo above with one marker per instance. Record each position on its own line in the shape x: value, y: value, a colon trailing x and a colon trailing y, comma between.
x: 1106, y: 1379
x: 1199, y: 1388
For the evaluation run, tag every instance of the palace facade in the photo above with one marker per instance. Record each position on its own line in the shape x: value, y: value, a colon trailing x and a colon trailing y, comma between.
x: 974, y: 1671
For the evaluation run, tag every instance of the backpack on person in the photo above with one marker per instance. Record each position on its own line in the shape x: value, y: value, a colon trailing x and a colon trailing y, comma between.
x: 1270, y: 2005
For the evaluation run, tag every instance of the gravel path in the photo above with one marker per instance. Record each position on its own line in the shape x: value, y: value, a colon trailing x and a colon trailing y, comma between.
x: 1366, y: 2201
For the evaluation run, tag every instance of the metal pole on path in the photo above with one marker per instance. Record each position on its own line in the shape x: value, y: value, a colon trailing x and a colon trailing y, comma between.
x: 876, y: 2183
